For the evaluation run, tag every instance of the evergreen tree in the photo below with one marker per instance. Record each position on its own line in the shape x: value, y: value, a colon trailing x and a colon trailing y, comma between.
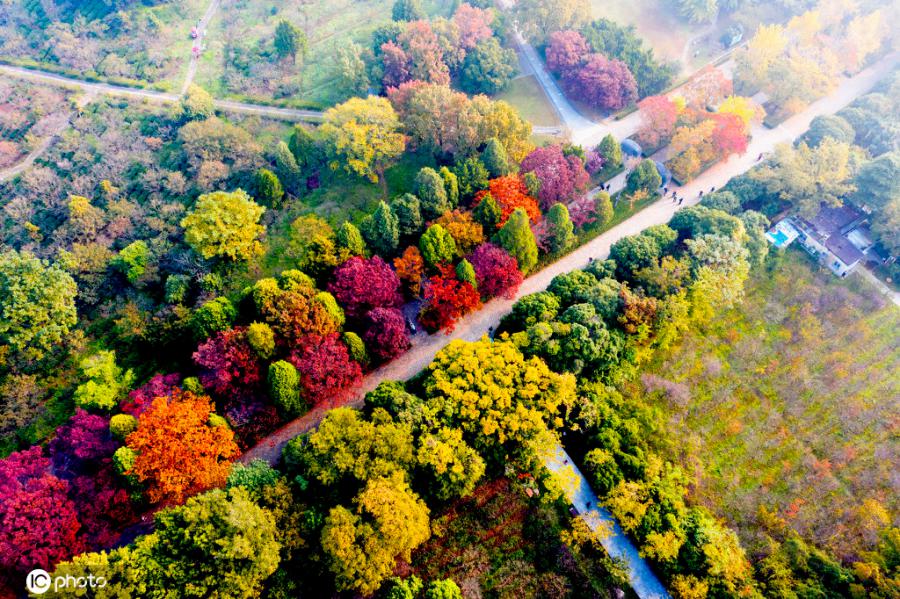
x: 381, y: 230
x: 645, y: 176
x: 517, y: 239
x: 466, y: 273
x: 408, y: 10
x: 488, y: 213
x: 289, y: 41
x: 611, y: 152
x: 603, y: 208
x: 349, y: 238
x: 268, y: 188
x: 437, y: 245
x: 451, y: 186
x: 560, y: 230
x: 284, y: 388
x: 288, y: 170
x: 472, y: 177
x: 495, y: 159
x: 431, y: 192
x: 409, y: 214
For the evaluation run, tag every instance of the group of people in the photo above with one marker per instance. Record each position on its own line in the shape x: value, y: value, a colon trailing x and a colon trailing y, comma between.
x: 680, y: 199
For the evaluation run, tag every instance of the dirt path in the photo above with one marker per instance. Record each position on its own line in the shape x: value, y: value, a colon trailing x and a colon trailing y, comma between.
x: 201, y: 28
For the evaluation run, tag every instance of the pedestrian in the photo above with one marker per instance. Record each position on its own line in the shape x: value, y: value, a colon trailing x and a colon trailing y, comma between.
x: 701, y: 194
x: 712, y: 189
x: 673, y: 193
x: 587, y: 504
x: 680, y: 200
x: 674, y: 197
x: 665, y: 190
x: 758, y: 158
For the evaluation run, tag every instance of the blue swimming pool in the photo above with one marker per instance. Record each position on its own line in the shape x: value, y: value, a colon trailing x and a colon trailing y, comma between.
x: 779, y: 238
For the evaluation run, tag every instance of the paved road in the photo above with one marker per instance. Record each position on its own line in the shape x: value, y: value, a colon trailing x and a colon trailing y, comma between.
x: 475, y: 325
x: 156, y: 97
x: 645, y: 583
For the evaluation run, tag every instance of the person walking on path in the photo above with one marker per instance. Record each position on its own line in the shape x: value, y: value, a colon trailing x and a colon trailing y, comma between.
x: 680, y: 200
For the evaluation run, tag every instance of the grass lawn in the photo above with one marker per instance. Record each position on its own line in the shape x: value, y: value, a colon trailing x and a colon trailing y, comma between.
x: 328, y: 25
x: 499, y: 543
x: 654, y: 20
x: 527, y: 96
x: 789, y: 404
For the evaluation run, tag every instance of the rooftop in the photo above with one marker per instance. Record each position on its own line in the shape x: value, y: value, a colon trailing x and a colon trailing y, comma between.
x: 845, y: 251
x: 832, y: 221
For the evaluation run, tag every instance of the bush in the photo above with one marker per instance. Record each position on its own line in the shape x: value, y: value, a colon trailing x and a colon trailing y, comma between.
x: 284, y: 387
x: 120, y: 425
x: 261, y: 339
x: 356, y: 348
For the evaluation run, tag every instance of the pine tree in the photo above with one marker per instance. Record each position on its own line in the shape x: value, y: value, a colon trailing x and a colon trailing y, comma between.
x: 381, y: 230
x: 495, y: 159
x: 432, y: 195
x: 268, y: 188
x: 611, y: 151
x: 560, y: 230
x: 288, y: 169
x: 488, y: 213
x: 349, y: 238
x: 407, y: 10
x: 451, y: 186
x: 466, y: 273
x: 409, y: 214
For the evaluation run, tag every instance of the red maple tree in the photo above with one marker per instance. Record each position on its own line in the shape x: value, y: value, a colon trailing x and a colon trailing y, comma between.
x: 447, y: 299
x: 510, y: 193
x: 325, y: 368
x: 496, y: 271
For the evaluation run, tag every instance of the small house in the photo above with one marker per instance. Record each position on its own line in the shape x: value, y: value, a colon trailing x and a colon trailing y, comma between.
x: 826, y: 236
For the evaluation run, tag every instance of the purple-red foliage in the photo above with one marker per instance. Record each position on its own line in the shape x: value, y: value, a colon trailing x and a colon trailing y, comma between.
x: 229, y: 366
x: 251, y: 421
x: 593, y: 161
x: 565, y: 50
x: 161, y: 385
x: 81, y: 443
x: 562, y: 177
x: 103, y: 506
x: 385, y: 333
x: 360, y: 285
x: 582, y: 212
x: 396, y: 64
x: 496, y: 271
x: 602, y: 83
x: 325, y: 368
x: 38, y: 522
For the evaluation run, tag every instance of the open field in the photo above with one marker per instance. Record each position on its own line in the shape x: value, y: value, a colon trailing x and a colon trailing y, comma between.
x: 527, y: 96
x: 789, y: 405
x: 237, y: 64
x: 145, y: 45
x: 499, y: 543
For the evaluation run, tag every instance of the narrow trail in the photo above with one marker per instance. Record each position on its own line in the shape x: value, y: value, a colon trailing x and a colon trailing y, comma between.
x: 201, y: 37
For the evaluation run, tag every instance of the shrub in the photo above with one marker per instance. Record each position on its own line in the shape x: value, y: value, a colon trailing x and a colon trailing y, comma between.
x: 284, y: 387
x: 120, y: 425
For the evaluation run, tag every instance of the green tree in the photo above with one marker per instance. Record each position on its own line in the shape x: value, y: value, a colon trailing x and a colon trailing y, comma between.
x: 381, y: 230
x: 495, y: 159
x: 645, y: 176
x: 472, y: 177
x: 106, y: 382
x: 828, y: 125
x: 196, y: 104
x: 451, y: 185
x: 518, y: 240
x: 353, y: 73
x: 268, y: 188
x: 560, y: 230
x: 37, y: 305
x: 409, y: 214
x: 539, y: 18
x: 219, y: 544
x: 289, y: 41
x: 289, y: 171
x: 216, y: 315
x: 698, y: 11
x: 362, y: 136
x: 407, y: 10
x: 603, y: 208
x: 304, y: 148
x: 437, y: 245
x: 443, y: 589
x: 362, y: 546
x: 350, y: 240
x: 611, y: 152
x: 262, y: 339
x: 488, y: 213
x: 284, y: 388
x: 465, y: 272
x: 488, y: 68
x: 356, y: 348
x: 133, y: 260
x: 224, y: 225
x: 878, y: 181
x: 431, y: 193
x: 887, y: 226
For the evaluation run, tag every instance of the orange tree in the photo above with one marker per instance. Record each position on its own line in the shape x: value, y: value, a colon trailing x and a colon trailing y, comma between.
x: 178, y: 449
x: 510, y: 193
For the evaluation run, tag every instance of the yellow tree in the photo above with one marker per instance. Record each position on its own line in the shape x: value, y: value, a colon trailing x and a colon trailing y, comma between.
x: 806, y: 26
x: 362, y: 546
x: 865, y: 35
x: 224, y: 225
x: 362, y: 136
x: 768, y: 43
x: 489, y: 390
x: 746, y: 109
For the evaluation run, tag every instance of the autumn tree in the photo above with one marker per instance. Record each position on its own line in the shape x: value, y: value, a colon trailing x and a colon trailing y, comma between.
x: 446, y: 300
x: 503, y: 398
x: 601, y: 82
x: 808, y: 177
x: 658, y: 117
x: 229, y: 366
x: 453, y: 467
x: 361, y: 285
x: 410, y: 267
x: 538, y: 18
x: 744, y: 108
x: 562, y: 177
x: 496, y: 272
x: 385, y: 333
x: 706, y: 89
x: 362, y: 136
x: 325, y: 368
x: 565, y: 50
x: 224, y: 225
x: 362, y: 546
x: 510, y: 194
x: 517, y: 238
x: 466, y: 233
x: 177, y: 451
x: 437, y: 245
